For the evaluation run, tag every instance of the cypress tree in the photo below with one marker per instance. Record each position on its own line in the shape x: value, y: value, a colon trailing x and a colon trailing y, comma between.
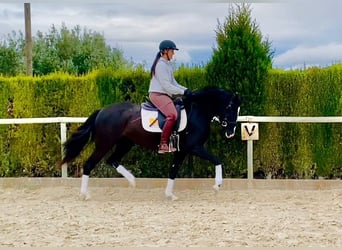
x: 242, y: 58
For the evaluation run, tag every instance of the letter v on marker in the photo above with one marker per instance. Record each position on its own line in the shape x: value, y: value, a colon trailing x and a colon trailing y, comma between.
x: 250, y: 133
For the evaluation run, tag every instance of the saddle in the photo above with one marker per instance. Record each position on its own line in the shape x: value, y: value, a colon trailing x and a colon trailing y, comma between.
x: 153, y: 120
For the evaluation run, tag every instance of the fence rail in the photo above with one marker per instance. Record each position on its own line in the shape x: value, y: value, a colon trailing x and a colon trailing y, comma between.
x: 282, y: 119
x: 292, y: 119
x: 249, y: 119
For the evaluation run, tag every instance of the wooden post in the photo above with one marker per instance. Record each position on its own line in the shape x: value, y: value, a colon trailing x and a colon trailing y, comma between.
x: 249, y: 133
x: 250, y: 171
x: 63, y: 130
x: 28, y: 37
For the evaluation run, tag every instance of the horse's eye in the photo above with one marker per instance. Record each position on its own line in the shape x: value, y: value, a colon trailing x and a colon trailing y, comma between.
x: 224, y: 124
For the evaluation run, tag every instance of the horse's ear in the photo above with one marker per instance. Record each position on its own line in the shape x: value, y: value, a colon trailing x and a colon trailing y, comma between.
x: 237, y: 98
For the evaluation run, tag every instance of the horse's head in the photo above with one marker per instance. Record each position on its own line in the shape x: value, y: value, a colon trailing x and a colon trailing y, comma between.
x: 222, y: 106
x: 229, y: 121
x: 228, y: 112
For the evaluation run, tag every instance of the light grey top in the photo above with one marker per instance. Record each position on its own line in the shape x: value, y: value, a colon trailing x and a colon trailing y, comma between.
x: 164, y: 81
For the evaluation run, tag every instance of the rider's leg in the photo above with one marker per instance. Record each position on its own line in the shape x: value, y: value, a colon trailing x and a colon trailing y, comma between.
x: 165, y: 104
x: 166, y: 133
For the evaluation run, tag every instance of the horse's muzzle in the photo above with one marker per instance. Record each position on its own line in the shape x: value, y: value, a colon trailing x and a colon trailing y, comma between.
x: 229, y: 135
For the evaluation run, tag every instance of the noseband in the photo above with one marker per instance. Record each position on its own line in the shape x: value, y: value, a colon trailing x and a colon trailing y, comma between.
x: 224, y: 123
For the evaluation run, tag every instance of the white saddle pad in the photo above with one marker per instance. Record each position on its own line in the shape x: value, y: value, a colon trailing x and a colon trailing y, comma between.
x: 149, y: 119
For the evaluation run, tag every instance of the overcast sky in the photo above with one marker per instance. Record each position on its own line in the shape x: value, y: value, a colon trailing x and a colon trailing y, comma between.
x: 301, y: 31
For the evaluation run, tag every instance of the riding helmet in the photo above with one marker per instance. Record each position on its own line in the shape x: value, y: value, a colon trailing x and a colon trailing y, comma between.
x: 167, y: 44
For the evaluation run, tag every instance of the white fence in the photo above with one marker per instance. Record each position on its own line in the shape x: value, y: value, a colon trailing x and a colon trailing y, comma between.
x: 282, y: 119
x: 249, y: 119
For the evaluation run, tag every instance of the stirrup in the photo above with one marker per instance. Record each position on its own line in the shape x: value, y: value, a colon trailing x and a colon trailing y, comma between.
x: 174, y: 142
x: 172, y: 149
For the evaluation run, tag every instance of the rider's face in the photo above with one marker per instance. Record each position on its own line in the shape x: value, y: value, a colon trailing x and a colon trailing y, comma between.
x: 170, y: 53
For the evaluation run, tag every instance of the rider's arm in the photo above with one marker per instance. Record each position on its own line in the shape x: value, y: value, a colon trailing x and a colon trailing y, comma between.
x: 165, y: 78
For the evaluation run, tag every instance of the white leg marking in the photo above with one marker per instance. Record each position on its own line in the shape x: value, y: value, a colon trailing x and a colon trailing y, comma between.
x: 84, y: 187
x: 218, y: 177
x: 124, y: 172
x: 169, y: 190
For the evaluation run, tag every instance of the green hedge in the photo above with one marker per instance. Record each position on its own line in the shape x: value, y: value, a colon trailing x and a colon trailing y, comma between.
x: 302, y: 150
x: 286, y: 150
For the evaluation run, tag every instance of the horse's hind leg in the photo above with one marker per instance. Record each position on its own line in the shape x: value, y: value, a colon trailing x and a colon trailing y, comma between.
x: 121, y: 149
x: 89, y: 165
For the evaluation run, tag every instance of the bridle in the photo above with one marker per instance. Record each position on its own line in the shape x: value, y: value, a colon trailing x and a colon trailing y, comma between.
x: 224, y: 122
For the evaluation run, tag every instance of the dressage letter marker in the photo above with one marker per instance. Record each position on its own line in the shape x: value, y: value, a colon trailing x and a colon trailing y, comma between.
x: 249, y: 131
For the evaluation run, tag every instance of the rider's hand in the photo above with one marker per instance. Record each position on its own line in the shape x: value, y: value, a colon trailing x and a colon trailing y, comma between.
x: 188, y: 93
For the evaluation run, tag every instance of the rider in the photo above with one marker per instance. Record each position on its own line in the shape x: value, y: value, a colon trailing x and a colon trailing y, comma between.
x: 163, y: 87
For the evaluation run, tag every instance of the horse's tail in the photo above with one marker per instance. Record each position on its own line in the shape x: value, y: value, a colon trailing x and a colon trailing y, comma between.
x: 84, y: 134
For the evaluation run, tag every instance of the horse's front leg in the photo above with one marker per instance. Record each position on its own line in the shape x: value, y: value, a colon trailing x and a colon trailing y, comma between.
x: 176, y: 164
x: 201, y: 152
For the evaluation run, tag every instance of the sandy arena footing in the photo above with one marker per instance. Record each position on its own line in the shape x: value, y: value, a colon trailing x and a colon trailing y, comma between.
x: 48, y: 212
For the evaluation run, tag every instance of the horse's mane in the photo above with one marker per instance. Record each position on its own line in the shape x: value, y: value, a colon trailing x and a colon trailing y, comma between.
x: 209, y: 87
x: 213, y: 92
x: 212, y: 96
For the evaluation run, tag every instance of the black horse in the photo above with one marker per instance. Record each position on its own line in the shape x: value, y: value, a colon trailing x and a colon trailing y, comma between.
x: 120, y: 125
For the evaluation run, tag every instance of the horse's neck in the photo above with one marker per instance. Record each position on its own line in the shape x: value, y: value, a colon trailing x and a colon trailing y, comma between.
x: 201, y: 111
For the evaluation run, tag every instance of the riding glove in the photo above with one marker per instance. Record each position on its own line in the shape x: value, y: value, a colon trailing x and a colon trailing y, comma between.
x: 188, y: 93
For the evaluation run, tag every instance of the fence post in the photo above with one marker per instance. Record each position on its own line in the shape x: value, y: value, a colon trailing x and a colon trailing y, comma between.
x: 250, y: 159
x: 63, y: 140
x: 249, y: 133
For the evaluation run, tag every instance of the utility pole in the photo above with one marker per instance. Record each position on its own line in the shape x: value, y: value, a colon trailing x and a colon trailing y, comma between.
x: 28, y: 38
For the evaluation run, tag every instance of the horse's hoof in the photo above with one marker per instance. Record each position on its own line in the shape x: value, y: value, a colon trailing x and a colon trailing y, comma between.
x: 172, y: 197
x: 132, y: 182
x: 217, y: 187
x: 84, y: 197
